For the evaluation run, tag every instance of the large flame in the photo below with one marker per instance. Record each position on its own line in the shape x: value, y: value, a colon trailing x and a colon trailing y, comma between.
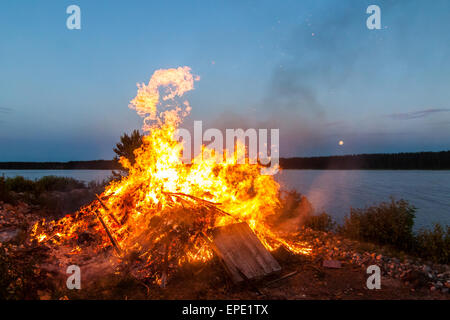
x: 162, y: 210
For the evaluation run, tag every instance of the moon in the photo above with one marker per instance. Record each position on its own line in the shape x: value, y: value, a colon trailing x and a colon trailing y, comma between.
x: 341, y: 142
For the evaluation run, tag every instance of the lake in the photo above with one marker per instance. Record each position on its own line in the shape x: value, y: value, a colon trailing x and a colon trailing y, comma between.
x: 83, y: 175
x: 335, y: 191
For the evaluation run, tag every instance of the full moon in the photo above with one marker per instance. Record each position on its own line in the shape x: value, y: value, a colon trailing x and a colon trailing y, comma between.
x: 341, y: 142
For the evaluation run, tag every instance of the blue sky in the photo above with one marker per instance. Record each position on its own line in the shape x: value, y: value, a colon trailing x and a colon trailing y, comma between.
x: 310, y: 68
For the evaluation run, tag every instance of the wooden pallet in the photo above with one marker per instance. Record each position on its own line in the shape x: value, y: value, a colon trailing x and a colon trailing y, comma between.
x: 242, y: 253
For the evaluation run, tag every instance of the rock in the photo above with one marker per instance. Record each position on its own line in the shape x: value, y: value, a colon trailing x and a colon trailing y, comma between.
x: 444, y: 290
x: 8, y: 235
x: 333, y: 264
x: 433, y: 288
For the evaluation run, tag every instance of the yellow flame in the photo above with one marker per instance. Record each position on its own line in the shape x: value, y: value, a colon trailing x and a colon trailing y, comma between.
x: 158, y: 185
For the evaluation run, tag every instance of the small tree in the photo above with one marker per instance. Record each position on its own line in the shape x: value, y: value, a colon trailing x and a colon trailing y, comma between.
x: 125, y: 148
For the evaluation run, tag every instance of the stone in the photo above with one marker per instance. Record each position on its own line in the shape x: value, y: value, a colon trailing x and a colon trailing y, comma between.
x: 332, y: 264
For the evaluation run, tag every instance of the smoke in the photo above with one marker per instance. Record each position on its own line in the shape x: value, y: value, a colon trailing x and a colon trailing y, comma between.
x: 416, y: 114
x: 333, y: 69
x: 318, y: 59
x: 333, y: 52
x: 5, y: 110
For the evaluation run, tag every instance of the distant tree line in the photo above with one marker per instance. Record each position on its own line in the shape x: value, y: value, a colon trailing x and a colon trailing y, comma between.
x: 400, y: 161
x: 71, y: 165
x: 386, y: 161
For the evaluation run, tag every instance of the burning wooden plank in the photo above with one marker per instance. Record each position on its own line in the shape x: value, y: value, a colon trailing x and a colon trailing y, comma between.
x: 243, y: 255
x: 111, y: 238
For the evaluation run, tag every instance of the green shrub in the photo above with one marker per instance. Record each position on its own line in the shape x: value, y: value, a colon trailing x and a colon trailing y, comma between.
x: 321, y: 222
x: 389, y: 223
x: 53, y: 183
x: 19, y: 184
x: 5, y: 195
x: 19, y: 188
x: 434, y: 244
x: 99, y: 186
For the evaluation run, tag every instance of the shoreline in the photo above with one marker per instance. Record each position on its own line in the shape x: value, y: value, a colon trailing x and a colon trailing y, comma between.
x: 377, y: 161
x: 402, y: 276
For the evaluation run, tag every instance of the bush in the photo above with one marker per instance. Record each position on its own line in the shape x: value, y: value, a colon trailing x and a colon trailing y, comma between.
x: 53, y: 183
x: 434, y: 244
x: 5, y: 195
x: 321, y: 222
x: 389, y: 223
x: 127, y: 145
x: 19, y: 184
x: 99, y: 186
x: 19, y: 188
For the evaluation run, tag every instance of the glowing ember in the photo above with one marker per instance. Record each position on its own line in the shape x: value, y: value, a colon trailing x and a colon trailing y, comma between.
x: 161, y: 212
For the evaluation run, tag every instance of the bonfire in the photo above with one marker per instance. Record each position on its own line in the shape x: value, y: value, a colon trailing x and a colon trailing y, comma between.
x: 162, y: 213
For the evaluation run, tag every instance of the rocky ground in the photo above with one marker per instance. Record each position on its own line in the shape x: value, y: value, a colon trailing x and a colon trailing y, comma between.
x: 32, y: 272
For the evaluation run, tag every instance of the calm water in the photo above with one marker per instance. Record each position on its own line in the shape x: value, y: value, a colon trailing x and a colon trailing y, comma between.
x: 335, y: 191
x: 83, y: 175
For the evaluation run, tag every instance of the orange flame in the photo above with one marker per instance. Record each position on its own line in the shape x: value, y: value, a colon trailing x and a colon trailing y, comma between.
x: 162, y: 210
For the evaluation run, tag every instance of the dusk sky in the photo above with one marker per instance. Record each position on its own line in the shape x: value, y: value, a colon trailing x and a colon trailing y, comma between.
x: 310, y: 68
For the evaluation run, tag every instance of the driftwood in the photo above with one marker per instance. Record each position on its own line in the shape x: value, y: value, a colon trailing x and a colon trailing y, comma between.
x: 111, y: 238
x: 243, y: 255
